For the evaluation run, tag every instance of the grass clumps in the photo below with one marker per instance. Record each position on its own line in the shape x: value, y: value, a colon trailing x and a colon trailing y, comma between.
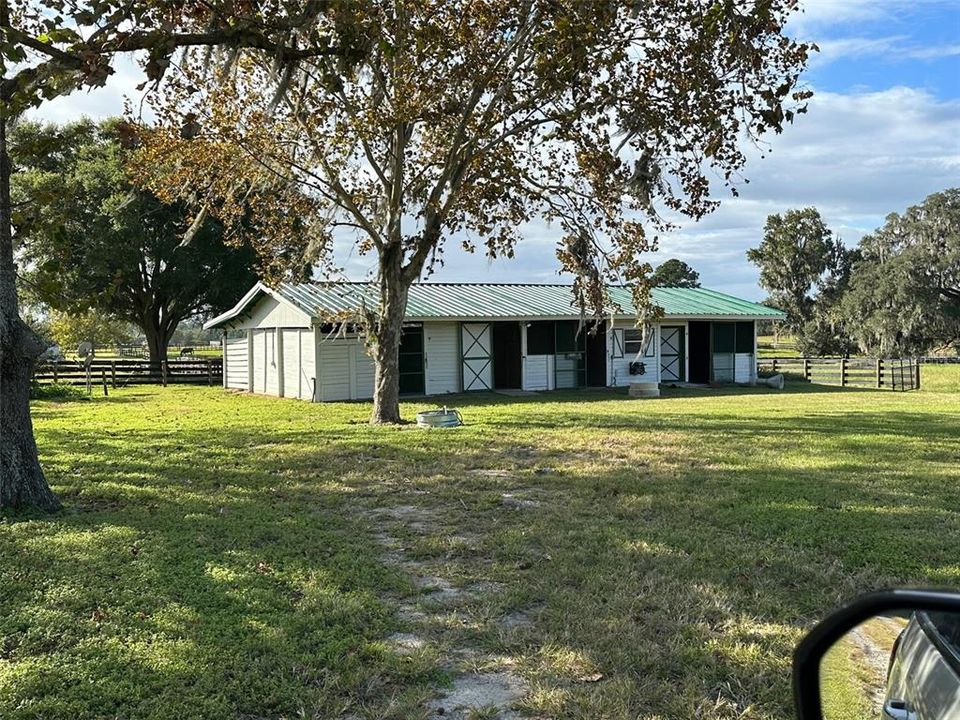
x: 218, y: 554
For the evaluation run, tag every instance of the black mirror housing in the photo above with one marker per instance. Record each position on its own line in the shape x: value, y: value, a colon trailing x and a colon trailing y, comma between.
x: 811, y: 650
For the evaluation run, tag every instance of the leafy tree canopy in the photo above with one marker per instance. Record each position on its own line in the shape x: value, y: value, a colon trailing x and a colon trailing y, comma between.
x: 904, y: 296
x: 799, y: 258
x: 112, y: 247
x: 675, y: 273
x: 474, y: 118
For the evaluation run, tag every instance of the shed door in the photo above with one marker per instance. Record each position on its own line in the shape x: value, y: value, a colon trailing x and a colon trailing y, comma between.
x: 476, y: 366
x: 270, y: 366
x: 672, y: 356
x: 335, y: 371
x: 291, y: 363
x: 259, y: 361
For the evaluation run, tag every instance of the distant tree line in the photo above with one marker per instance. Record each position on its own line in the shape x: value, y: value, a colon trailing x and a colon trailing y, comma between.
x: 897, y: 293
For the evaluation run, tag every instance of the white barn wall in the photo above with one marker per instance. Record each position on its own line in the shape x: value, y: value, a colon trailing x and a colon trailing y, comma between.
x: 618, y: 369
x: 364, y: 370
x: 442, y: 357
x: 259, y: 359
x: 290, y: 343
x: 269, y: 312
x: 744, y: 368
x: 235, y: 365
x: 335, y: 380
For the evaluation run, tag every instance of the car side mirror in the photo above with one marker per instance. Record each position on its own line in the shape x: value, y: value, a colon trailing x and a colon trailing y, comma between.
x: 893, y: 655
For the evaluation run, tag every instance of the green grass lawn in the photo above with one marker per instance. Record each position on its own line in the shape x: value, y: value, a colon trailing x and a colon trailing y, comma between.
x: 221, y: 555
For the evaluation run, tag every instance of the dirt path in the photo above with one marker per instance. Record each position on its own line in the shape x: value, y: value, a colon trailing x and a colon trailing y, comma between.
x: 873, y: 642
x: 484, y: 684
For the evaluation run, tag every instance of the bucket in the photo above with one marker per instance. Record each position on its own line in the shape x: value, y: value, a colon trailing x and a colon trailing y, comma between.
x: 442, y: 418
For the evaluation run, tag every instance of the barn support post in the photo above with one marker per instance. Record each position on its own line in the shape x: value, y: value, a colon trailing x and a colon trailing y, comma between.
x: 223, y: 355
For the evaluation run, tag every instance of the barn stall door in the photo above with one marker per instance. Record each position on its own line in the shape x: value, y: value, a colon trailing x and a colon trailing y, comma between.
x: 476, y: 365
x: 672, y: 353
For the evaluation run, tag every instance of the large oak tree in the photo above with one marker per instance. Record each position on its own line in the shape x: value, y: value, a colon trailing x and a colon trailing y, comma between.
x: 904, y: 294
x: 468, y: 118
x: 114, y: 247
x: 49, y: 48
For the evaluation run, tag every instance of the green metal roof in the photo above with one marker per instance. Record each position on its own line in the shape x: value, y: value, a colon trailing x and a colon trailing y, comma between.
x: 467, y: 301
x: 496, y: 300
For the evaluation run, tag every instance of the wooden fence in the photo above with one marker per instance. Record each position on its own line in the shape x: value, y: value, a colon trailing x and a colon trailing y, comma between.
x: 117, y: 373
x: 891, y: 373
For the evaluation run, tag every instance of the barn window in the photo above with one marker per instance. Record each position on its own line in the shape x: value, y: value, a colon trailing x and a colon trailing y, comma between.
x: 745, y: 337
x: 540, y: 338
x: 633, y: 341
x: 569, y: 337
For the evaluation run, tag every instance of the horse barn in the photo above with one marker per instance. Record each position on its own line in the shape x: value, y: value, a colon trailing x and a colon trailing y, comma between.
x: 464, y: 337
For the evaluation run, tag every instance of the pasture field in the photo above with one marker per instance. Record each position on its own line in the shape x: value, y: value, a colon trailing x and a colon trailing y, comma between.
x: 573, y: 555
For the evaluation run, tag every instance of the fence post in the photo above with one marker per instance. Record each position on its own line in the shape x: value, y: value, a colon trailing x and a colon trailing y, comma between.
x: 209, y: 373
x: 163, y: 372
x: 879, y: 373
x: 774, y: 366
x: 89, y: 385
x: 55, y: 367
x: 843, y: 372
x: 917, y: 385
x: 806, y: 369
x: 103, y: 377
x: 113, y: 373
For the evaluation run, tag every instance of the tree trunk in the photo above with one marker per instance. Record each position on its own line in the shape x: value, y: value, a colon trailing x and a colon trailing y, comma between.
x: 22, y: 483
x: 386, y: 337
x: 157, y: 341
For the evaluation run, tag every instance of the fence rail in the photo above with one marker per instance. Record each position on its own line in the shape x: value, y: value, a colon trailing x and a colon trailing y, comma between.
x: 891, y: 373
x: 118, y: 373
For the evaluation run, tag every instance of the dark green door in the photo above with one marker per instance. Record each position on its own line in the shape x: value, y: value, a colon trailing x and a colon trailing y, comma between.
x: 411, y: 361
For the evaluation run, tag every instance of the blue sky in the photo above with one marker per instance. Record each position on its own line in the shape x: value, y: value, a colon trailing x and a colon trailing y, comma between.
x: 882, y: 133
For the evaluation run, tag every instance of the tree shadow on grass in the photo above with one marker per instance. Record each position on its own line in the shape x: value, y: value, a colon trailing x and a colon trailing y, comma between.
x: 227, y: 570
x: 198, y: 574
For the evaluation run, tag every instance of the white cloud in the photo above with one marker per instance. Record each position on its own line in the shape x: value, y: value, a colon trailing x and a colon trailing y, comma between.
x: 856, y: 157
x: 98, y: 103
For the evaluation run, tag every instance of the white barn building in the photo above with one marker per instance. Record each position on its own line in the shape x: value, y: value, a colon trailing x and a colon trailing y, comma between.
x: 463, y: 337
